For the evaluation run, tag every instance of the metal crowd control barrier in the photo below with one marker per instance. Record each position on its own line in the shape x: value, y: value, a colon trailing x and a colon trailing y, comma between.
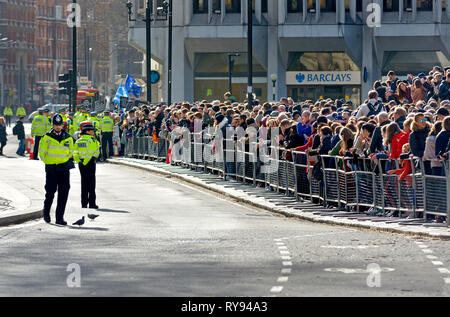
x: 346, y: 183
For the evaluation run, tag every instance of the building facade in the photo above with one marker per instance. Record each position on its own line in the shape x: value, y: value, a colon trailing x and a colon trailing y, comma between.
x: 17, y: 23
x: 313, y: 48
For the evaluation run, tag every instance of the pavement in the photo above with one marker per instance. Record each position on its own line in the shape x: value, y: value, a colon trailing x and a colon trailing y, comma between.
x: 160, y: 236
x: 287, y: 206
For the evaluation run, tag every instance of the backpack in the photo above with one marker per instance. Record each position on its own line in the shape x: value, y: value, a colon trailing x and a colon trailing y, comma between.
x: 15, y: 130
x: 373, y: 111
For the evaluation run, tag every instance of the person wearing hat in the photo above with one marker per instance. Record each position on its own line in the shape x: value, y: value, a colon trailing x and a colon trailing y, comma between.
x: 48, y: 120
x: 38, y: 130
x: 63, y: 114
x: 107, y: 129
x: 56, y: 151
x: 86, y: 150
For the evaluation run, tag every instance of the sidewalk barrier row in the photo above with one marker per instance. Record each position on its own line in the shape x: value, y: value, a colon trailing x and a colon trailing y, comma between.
x: 346, y: 183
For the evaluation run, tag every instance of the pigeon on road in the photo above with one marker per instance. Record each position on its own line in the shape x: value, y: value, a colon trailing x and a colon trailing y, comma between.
x: 79, y: 222
x: 92, y: 216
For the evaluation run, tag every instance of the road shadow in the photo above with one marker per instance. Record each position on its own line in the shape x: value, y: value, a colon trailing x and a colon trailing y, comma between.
x: 72, y: 227
x: 88, y: 228
x: 114, y: 211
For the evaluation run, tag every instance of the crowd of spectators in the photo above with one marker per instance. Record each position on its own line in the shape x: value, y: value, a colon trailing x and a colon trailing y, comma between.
x: 400, y: 119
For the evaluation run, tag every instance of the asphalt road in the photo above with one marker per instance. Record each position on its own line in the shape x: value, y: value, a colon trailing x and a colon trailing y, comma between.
x: 158, y: 237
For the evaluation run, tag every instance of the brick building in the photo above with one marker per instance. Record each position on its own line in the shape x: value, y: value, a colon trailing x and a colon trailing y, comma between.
x: 17, y: 23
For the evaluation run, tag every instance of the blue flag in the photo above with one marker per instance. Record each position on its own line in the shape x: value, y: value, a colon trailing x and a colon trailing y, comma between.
x: 132, y: 87
x: 121, y: 92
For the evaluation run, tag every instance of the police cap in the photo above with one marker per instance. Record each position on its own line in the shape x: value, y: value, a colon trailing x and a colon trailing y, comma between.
x: 57, y: 120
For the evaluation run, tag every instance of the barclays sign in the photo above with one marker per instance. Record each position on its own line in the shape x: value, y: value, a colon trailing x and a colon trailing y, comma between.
x: 323, y: 78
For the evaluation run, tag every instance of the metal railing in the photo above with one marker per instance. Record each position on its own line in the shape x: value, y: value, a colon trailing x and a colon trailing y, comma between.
x: 347, y: 184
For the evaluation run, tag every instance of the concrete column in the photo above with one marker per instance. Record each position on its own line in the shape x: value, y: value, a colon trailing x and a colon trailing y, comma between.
x: 353, y: 10
x: 188, y: 11
x: 369, y: 60
x: 275, y: 65
x: 258, y: 10
x: 340, y: 11
x: 282, y: 11
x: 182, y: 72
x: 437, y: 11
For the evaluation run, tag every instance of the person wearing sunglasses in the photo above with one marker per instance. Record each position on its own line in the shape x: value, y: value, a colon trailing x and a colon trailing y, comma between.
x: 417, y: 139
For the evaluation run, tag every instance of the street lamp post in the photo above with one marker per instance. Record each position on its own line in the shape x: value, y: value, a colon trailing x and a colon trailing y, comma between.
x: 231, y: 67
x: 74, y: 61
x: 250, y: 54
x: 274, y: 79
x: 148, y: 40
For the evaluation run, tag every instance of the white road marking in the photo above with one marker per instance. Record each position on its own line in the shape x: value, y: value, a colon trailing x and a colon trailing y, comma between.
x: 427, y: 251
x: 348, y: 246
x: 443, y: 270
x: 287, y: 263
x: 447, y: 280
x: 357, y: 271
x: 286, y: 257
x: 431, y: 257
x: 286, y: 271
x: 422, y: 246
x: 282, y: 279
x: 283, y: 248
x: 285, y: 252
x: 277, y: 240
x: 279, y: 243
x: 276, y: 289
x: 437, y: 262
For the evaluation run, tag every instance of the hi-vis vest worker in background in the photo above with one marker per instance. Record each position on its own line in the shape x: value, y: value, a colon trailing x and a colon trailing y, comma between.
x: 86, y: 150
x: 38, y: 130
x: 56, y: 150
x: 21, y: 112
x: 8, y: 114
x: 107, y: 128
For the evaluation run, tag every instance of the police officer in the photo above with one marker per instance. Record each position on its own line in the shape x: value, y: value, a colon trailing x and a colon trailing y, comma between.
x: 107, y: 128
x: 70, y: 124
x: 86, y: 150
x: 8, y: 114
x: 56, y: 150
x: 21, y: 112
x: 38, y: 130
x: 48, y: 122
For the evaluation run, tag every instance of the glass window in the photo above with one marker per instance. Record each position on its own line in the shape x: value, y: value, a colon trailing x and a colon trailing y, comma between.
x: 295, y: 6
x: 216, y: 5
x: 358, y: 5
x: 325, y: 5
x: 200, y: 6
x: 405, y: 63
x: 320, y: 61
x: 424, y: 5
x: 263, y: 5
x: 390, y: 5
x: 233, y: 6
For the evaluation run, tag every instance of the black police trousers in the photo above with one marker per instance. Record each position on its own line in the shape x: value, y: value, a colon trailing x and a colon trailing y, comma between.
x: 37, y: 139
x: 88, y: 183
x: 57, y: 178
x: 107, y: 139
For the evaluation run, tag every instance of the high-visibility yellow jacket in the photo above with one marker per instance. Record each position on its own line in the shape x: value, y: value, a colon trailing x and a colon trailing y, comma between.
x: 71, y: 126
x: 107, y: 124
x: 39, y: 126
x: 49, y: 124
x: 53, y: 152
x: 21, y: 112
x: 85, y: 149
x: 7, y: 112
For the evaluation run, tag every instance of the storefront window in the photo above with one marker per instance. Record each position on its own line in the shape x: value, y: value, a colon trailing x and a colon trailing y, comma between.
x: 211, y: 72
x: 390, y: 5
x: 200, y: 6
x: 320, y: 61
x: 325, y: 5
x: 422, y: 5
x: 233, y: 6
x: 263, y: 5
x: 404, y: 63
x: 295, y: 6
x: 358, y: 5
